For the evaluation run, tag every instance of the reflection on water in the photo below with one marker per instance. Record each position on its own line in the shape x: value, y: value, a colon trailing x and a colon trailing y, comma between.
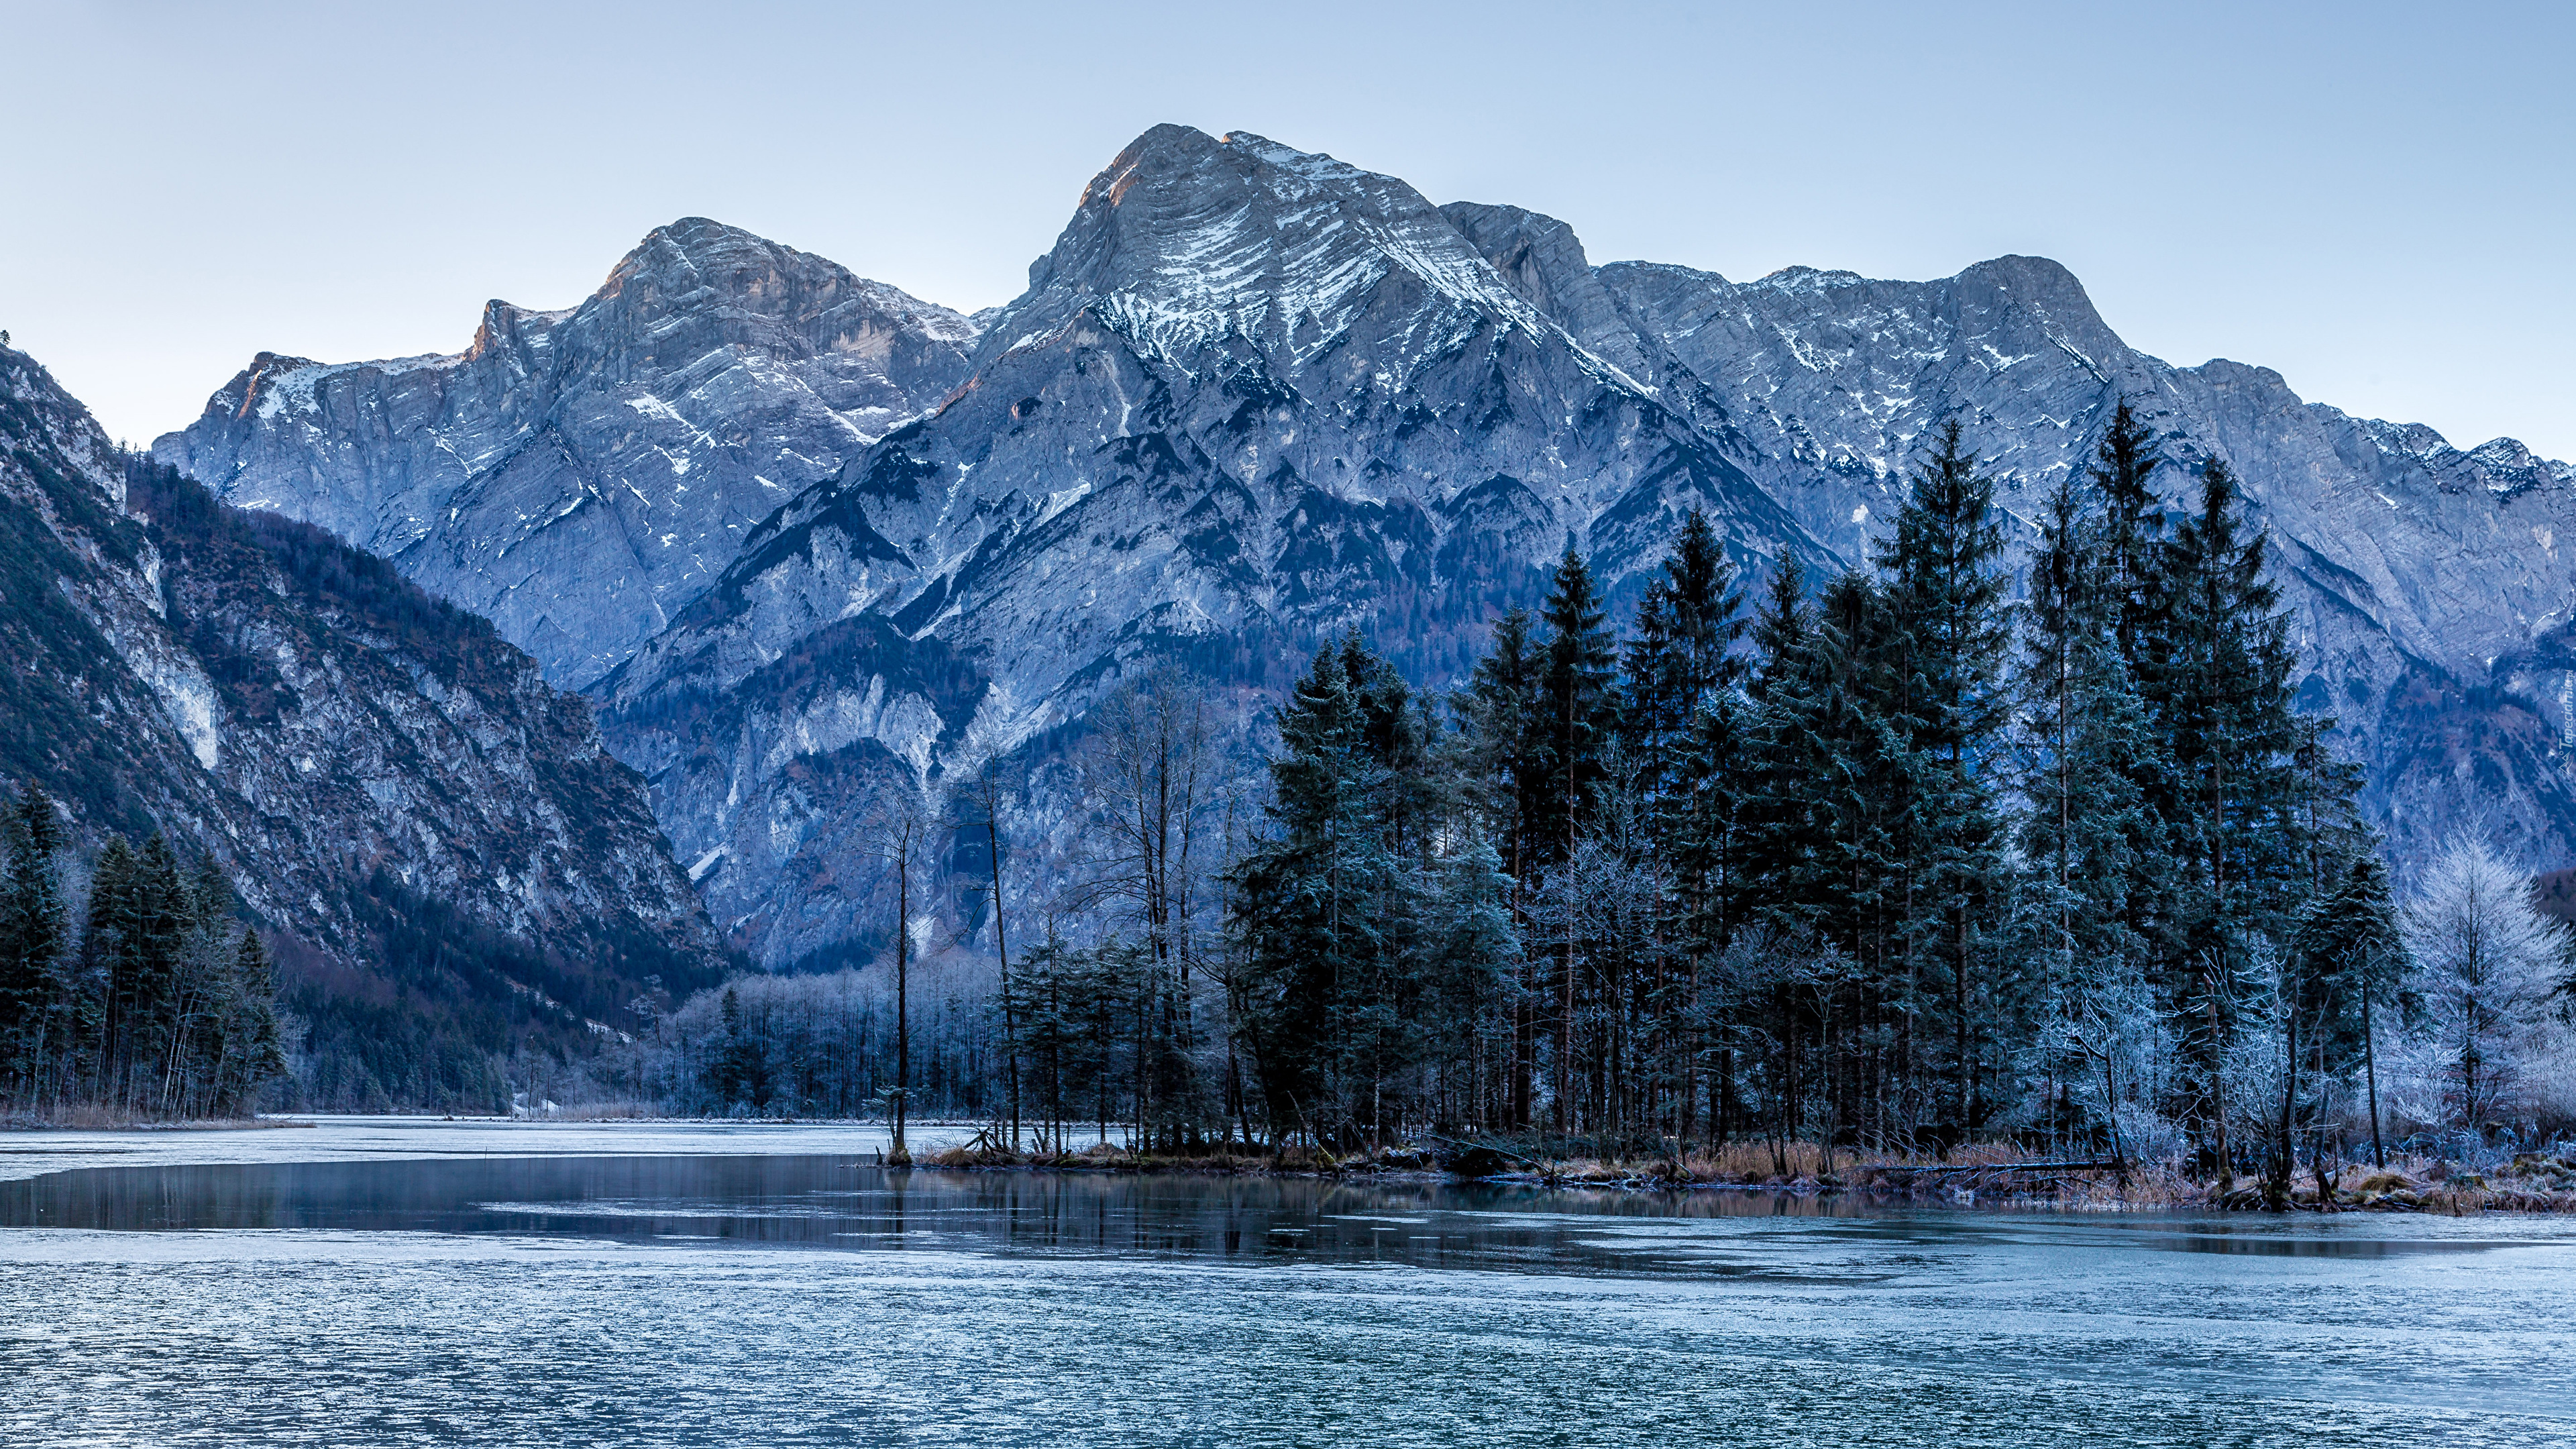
x: 834, y: 1202
x: 813, y: 1300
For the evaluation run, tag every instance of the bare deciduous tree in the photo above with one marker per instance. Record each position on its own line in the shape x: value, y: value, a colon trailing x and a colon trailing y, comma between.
x: 899, y: 830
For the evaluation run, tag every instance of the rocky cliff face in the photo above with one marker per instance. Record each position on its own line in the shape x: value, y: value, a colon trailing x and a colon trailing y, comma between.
x: 1254, y: 395
x: 349, y: 748
x: 578, y: 477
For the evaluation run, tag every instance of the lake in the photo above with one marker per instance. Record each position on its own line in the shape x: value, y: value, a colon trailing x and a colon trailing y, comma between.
x: 661, y: 1286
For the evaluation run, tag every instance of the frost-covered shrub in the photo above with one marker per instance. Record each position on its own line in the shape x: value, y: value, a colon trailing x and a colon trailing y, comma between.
x: 2488, y: 1040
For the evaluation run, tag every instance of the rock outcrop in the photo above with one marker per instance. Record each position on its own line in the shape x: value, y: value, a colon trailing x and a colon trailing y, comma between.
x: 2426, y: 582
x: 1252, y: 396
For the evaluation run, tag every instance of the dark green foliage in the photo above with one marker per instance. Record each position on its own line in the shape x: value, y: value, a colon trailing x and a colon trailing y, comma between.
x: 1318, y: 905
x: 1917, y: 865
x: 1577, y: 709
x: 165, y: 1008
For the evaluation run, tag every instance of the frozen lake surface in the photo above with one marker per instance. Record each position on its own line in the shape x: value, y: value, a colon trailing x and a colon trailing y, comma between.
x: 359, y: 1139
x: 656, y: 1285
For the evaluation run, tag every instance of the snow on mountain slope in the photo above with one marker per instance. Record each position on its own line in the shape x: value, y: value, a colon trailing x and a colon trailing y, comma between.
x: 1252, y: 397
x: 364, y: 762
x: 579, y: 476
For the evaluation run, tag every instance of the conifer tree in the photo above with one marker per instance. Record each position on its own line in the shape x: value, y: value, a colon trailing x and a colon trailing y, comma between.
x: 2089, y: 840
x: 35, y: 934
x: 1310, y: 900
x: 250, y: 1051
x: 1579, y: 710
x: 1578, y: 705
x: 1778, y: 816
x: 2219, y: 687
x: 2132, y: 565
x: 111, y: 944
x: 1946, y: 585
x: 1500, y: 750
x: 1680, y: 661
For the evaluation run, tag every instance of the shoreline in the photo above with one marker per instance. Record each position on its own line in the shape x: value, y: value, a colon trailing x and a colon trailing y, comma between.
x: 206, y: 1124
x: 2547, y: 1186
x: 1989, y: 1176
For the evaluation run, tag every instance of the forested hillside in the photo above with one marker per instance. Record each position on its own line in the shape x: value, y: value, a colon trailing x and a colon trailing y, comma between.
x: 449, y: 868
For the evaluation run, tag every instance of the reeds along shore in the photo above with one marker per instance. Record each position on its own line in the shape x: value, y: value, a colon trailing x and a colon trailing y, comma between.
x: 1987, y: 1173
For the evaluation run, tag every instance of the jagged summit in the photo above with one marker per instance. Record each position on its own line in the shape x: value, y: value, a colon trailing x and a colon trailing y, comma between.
x: 1187, y: 238
x: 580, y: 475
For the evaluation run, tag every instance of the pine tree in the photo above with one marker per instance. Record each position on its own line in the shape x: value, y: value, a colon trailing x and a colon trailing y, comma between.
x: 110, y: 947
x: 1781, y: 824
x: 1680, y: 662
x: 1499, y: 723
x: 2091, y: 845
x: 252, y: 1050
x: 1310, y: 902
x: 1500, y: 749
x: 1946, y: 589
x: 1578, y: 705
x: 2218, y: 685
x: 35, y: 934
x: 1579, y: 710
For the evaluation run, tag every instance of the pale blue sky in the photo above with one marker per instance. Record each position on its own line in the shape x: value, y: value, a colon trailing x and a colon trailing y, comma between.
x: 2377, y: 200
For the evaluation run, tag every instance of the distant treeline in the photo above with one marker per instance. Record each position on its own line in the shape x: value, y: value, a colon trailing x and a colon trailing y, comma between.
x: 127, y: 986
x: 1896, y: 858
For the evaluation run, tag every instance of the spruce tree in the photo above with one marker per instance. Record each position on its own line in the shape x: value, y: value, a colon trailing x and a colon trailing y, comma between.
x: 1500, y: 750
x: 111, y: 946
x: 1578, y: 706
x: 2090, y: 844
x: 2132, y: 565
x: 1579, y: 710
x: 35, y: 933
x: 1309, y: 903
x: 1778, y: 817
x: 1946, y: 588
x: 252, y: 1050
x: 1680, y: 661
x: 2219, y: 687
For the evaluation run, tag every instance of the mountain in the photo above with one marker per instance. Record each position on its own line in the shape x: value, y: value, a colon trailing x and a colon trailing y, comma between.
x: 1254, y: 396
x: 372, y: 767
x: 1251, y: 397
x: 628, y: 443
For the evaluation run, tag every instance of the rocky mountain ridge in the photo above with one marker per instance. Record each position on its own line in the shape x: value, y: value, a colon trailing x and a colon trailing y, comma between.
x: 628, y: 443
x: 1254, y: 395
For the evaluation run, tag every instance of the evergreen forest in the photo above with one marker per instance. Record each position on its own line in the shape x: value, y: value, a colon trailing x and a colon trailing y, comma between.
x: 1991, y: 838
x: 127, y: 987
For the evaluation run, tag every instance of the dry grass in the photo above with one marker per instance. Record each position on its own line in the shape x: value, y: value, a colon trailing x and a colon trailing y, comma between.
x: 2531, y: 1183
x: 89, y: 1117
